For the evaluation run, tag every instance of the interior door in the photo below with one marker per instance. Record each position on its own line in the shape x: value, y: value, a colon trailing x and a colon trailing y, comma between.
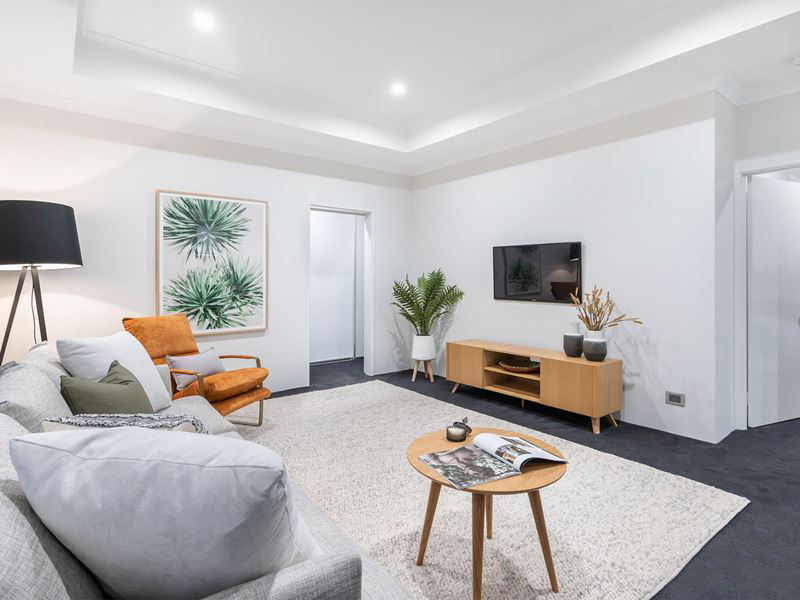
x: 773, y: 301
x: 333, y: 286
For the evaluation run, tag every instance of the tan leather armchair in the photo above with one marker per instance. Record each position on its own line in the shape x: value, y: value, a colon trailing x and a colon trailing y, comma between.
x: 227, y: 391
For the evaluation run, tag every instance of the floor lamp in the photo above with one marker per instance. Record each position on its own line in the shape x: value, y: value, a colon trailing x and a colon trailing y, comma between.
x: 36, y: 236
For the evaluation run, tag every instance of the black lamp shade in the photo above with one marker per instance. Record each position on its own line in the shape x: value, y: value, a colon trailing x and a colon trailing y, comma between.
x: 41, y: 234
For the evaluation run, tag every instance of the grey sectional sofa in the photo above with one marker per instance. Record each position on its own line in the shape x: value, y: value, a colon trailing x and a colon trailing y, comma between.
x: 33, y: 564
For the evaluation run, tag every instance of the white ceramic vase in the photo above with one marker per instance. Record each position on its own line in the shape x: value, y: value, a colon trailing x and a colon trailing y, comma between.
x: 423, y: 348
x: 595, y: 335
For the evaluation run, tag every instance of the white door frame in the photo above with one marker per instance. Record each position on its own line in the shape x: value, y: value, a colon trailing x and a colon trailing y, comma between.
x: 369, y: 280
x: 743, y: 171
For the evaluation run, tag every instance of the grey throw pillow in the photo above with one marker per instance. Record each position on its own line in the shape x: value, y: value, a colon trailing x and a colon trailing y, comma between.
x: 27, y: 395
x: 205, y: 363
x: 119, y: 392
x: 130, y: 503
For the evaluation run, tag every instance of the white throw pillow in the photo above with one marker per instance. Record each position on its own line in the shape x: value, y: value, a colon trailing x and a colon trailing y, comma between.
x: 90, y: 358
x: 158, y: 514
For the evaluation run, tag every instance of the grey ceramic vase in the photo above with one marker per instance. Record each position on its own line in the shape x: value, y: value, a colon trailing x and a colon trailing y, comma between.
x: 595, y: 350
x: 573, y: 344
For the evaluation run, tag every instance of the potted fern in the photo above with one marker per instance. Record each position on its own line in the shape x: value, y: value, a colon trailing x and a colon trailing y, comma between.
x: 423, y: 305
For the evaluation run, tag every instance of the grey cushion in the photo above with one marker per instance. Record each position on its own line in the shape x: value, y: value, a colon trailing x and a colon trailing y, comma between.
x: 27, y: 395
x: 33, y: 564
x: 205, y: 363
x: 164, y: 514
x: 336, y: 577
x: 9, y: 428
x: 44, y: 357
x: 199, y: 407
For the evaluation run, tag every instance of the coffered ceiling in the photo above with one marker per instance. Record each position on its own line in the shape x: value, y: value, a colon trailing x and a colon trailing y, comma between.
x: 315, y: 77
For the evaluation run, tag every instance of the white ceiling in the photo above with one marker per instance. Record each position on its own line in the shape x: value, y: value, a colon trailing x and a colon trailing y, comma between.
x: 313, y: 76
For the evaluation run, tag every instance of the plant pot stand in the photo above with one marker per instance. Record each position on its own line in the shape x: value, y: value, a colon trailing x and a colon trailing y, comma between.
x: 428, y: 369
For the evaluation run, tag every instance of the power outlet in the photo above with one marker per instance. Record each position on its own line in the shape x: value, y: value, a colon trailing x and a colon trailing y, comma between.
x: 675, y: 399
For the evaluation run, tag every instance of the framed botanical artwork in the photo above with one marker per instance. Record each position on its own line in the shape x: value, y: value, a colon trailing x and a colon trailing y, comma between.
x: 211, y: 261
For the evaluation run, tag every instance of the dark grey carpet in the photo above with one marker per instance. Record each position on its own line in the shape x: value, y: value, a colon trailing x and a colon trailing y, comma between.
x: 756, y: 556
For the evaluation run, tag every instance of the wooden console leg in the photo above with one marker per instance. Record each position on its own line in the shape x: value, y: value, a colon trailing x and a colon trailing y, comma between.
x: 489, y: 503
x: 611, y: 420
x: 478, y: 508
x: 455, y: 388
x: 596, y: 424
x: 433, y: 499
x: 416, y: 368
x: 541, y: 529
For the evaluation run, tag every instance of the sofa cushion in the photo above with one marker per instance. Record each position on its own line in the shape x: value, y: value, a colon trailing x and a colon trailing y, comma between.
x: 227, y: 384
x: 9, y: 428
x: 197, y: 406
x: 206, y: 363
x: 164, y: 514
x: 44, y: 356
x: 162, y: 335
x: 119, y: 392
x: 90, y: 358
x: 27, y: 395
x: 33, y: 564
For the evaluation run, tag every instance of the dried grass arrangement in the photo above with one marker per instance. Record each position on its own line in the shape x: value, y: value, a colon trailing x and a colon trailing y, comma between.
x: 596, y: 313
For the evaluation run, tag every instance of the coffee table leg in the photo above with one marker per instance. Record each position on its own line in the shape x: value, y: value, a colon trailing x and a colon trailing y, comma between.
x: 489, y: 503
x: 541, y: 529
x: 478, y: 509
x: 433, y: 500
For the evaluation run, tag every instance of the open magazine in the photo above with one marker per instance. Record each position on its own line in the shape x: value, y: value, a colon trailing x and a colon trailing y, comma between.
x: 488, y: 458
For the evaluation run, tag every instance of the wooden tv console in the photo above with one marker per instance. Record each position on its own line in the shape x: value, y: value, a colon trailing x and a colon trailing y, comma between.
x: 577, y: 385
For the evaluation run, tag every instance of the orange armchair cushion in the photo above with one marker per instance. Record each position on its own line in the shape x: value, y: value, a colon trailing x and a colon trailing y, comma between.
x: 221, y: 386
x: 168, y: 334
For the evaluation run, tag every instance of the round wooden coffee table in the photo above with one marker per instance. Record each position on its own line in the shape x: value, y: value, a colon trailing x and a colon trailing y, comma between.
x: 529, y: 482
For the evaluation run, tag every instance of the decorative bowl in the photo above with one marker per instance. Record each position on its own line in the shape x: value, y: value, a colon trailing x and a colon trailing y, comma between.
x: 523, y: 365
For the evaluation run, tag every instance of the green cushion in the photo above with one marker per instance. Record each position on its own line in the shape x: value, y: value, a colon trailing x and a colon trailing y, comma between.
x: 119, y: 392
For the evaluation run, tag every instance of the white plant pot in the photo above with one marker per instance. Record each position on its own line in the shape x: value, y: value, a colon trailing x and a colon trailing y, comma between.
x: 423, y: 348
x: 595, y: 335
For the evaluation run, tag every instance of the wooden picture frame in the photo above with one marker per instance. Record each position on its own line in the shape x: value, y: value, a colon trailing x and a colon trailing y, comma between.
x: 212, y: 264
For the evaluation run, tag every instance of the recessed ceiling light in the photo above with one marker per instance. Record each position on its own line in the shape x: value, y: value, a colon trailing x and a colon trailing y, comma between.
x: 398, y: 89
x: 204, y: 20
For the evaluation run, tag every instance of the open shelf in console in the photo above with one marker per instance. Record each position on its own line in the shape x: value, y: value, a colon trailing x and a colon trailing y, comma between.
x: 525, y: 386
x: 501, y: 370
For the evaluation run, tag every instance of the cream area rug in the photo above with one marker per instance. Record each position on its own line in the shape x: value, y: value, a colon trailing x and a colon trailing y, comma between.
x: 618, y: 529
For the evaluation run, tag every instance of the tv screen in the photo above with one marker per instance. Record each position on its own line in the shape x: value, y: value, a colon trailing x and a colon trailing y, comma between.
x: 537, y: 272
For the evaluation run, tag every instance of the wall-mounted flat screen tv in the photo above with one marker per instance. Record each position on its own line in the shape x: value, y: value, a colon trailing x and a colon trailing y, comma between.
x: 537, y: 272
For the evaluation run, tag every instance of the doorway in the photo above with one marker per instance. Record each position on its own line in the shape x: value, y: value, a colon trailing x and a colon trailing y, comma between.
x: 339, y: 254
x: 773, y: 297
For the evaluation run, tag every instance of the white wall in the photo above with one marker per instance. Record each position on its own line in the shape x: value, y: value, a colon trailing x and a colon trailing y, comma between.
x: 644, y: 208
x: 724, y: 251
x: 112, y: 188
x: 768, y: 132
